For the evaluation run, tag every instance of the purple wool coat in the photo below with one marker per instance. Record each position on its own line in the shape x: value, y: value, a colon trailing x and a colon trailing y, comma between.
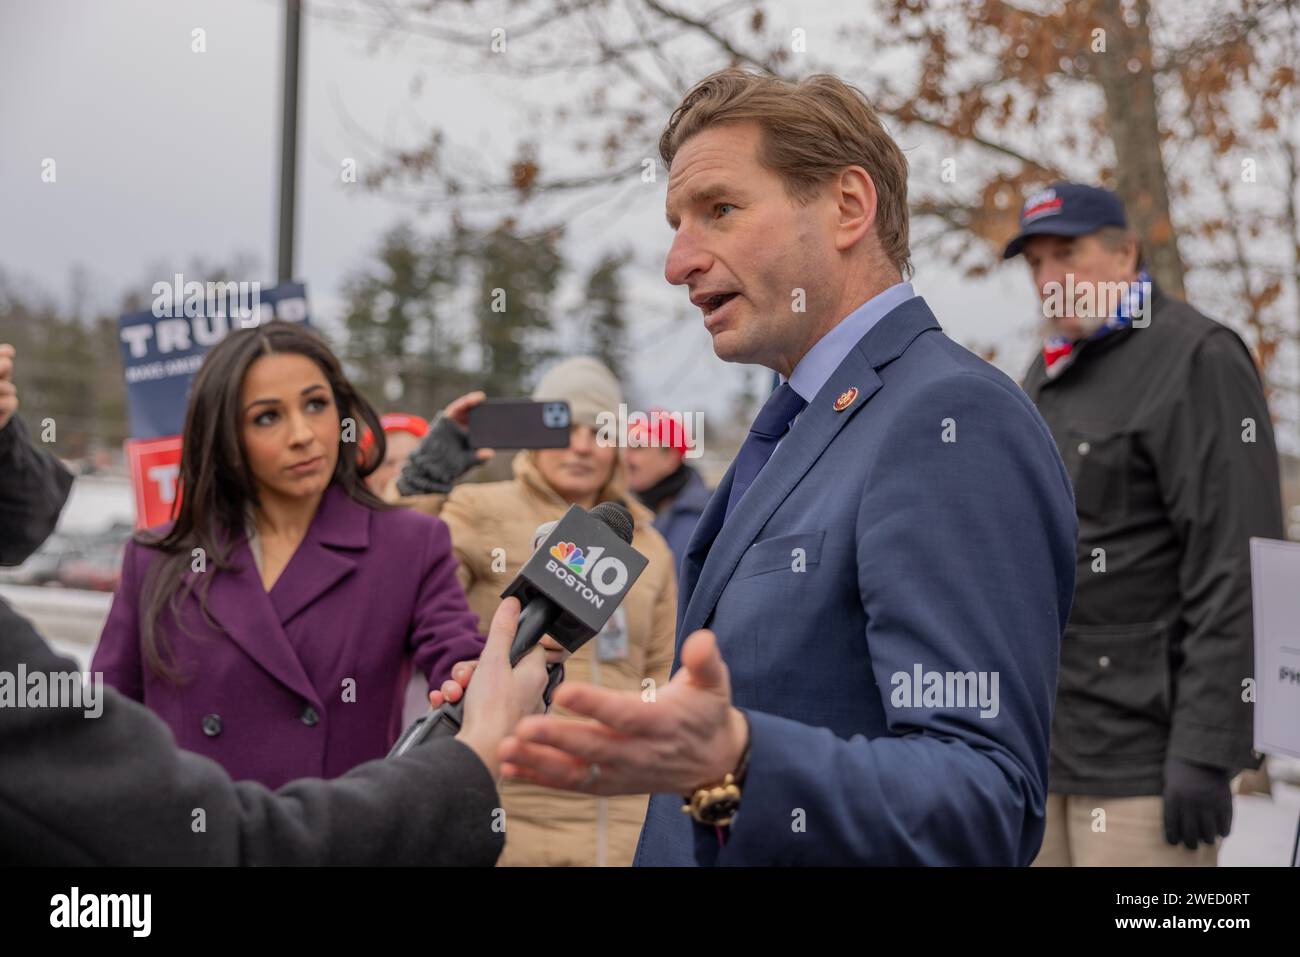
x: 305, y: 680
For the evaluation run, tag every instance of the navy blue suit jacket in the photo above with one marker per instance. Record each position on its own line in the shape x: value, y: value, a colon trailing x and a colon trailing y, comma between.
x: 926, y: 531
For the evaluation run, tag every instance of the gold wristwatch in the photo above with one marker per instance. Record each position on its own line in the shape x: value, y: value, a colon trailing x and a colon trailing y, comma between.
x: 716, y: 804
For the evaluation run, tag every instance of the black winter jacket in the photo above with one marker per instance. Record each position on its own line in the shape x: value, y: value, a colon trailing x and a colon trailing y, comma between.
x: 1166, y: 435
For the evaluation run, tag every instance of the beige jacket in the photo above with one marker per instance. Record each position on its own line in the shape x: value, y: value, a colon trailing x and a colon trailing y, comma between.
x: 492, y: 526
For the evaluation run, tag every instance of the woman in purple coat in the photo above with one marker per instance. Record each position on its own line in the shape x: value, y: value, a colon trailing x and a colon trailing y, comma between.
x: 273, y: 623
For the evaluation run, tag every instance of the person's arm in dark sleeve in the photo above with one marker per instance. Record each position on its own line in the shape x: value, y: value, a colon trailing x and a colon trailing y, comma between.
x: 115, y: 789
x: 33, y: 487
x: 1217, y: 466
x: 965, y: 563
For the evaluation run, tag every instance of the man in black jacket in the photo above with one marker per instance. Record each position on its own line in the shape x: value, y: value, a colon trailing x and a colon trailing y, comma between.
x: 102, y: 782
x: 1160, y: 417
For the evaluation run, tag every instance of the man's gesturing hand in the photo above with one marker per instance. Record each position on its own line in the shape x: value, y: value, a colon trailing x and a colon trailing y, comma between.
x: 687, y: 736
x: 501, y: 695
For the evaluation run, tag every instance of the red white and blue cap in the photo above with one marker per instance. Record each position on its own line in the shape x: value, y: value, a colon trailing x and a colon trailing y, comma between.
x: 1066, y: 209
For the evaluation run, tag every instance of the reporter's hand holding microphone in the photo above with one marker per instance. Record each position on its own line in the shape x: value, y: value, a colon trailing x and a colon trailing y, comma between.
x: 502, y: 695
x: 453, y: 689
x: 572, y: 600
x: 567, y: 596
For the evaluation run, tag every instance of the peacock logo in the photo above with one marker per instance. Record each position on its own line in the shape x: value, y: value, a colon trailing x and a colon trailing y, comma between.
x: 584, y: 571
x: 571, y: 555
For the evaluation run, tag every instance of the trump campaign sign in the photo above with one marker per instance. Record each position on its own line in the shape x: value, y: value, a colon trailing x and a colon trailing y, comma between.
x: 162, y: 348
x: 155, y: 466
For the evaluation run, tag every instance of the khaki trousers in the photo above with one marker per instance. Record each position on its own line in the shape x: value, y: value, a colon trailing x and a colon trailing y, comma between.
x: 1091, y: 831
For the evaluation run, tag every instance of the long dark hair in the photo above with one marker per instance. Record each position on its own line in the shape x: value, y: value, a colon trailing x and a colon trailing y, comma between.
x: 216, y: 485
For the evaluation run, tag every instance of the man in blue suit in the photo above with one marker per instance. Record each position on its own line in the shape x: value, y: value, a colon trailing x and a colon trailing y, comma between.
x: 875, y: 595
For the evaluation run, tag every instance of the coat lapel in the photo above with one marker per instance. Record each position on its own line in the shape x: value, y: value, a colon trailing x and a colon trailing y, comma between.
x: 701, y: 540
x: 255, y: 620
x: 717, y: 548
x: 242, y: 607
x: 328, y: 554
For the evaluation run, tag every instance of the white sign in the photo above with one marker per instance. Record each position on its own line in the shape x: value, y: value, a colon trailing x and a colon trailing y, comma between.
x: 1275, y: 588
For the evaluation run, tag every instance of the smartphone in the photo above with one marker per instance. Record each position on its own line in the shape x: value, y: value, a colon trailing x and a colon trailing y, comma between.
x: 519, y: 424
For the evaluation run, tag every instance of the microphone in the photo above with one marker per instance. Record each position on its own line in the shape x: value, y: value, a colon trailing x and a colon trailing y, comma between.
x: 581, y: 569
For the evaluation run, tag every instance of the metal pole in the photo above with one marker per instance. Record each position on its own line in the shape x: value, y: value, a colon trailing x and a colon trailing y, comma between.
x: 289, y: 137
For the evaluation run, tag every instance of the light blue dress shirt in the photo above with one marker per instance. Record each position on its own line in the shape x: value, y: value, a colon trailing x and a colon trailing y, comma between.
x: 830, y: 350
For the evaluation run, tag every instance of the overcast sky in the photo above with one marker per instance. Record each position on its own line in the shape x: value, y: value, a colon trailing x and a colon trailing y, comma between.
x: 165, y: 156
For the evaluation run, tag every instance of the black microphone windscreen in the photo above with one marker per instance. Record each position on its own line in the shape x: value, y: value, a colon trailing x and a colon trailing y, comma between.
x: 617, y: 517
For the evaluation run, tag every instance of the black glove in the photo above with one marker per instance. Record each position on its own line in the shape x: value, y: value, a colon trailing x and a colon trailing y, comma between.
x: 442, y: 456
x: 1198, y: 803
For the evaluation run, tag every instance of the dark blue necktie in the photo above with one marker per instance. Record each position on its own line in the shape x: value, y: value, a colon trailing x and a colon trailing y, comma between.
x: 772, y: 422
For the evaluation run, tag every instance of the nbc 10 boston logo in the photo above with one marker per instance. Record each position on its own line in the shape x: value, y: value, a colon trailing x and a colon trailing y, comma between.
x: 592, y: 574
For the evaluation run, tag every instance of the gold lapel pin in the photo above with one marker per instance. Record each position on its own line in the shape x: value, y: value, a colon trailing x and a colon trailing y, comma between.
x: 846, y: 398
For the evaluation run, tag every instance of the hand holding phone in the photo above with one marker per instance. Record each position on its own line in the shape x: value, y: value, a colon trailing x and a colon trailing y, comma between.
x: 444, y: 454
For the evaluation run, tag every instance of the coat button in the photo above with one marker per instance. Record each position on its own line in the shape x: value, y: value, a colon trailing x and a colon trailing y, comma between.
x: 309, y: 716
x: 1084, y: 448
x: 212, y: 725
x: 1104, y: 661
